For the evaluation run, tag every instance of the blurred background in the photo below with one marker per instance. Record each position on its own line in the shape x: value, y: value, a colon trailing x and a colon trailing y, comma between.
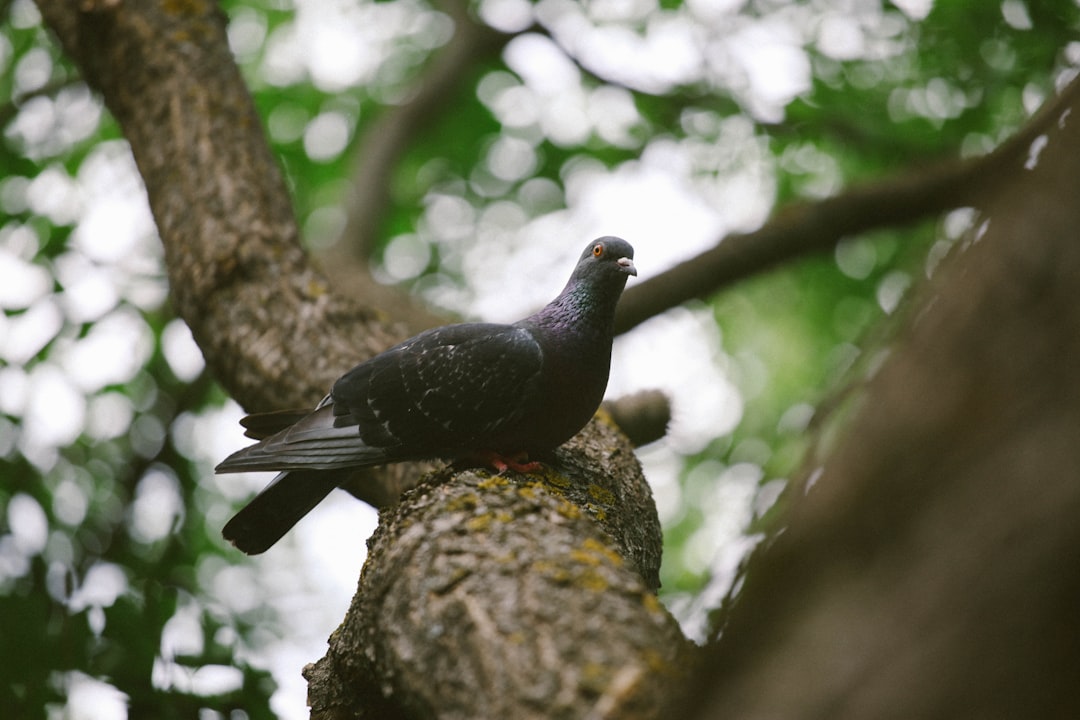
x: 544, y: 124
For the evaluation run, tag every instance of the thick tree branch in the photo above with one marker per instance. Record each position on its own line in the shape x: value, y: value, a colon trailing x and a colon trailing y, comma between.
x: 642, y: 416
x: 805, y: 228
x: 510, y: 597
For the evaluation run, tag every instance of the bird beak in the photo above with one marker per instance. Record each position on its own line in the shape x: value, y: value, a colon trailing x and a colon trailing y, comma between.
x: 627, y: 266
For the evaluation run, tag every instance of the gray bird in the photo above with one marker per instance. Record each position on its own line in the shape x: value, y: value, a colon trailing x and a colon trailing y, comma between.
x: 482, y: 392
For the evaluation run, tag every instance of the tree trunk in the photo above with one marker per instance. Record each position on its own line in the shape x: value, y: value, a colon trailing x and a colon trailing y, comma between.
x: 931, y: 568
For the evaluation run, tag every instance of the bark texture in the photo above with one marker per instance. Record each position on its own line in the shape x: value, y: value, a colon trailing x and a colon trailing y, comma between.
x: 930, y: 568
x: 510, y: 597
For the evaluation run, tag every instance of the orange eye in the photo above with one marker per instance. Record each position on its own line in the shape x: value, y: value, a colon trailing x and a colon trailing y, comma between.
x: 597, y: 250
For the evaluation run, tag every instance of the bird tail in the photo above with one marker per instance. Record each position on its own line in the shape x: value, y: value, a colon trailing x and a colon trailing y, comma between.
x: 275, y: 510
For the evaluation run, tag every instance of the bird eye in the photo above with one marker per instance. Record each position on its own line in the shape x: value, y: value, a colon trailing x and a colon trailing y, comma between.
x: 597, y: 250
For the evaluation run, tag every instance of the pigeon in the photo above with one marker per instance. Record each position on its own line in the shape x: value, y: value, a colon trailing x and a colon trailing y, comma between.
x: 486, y: 393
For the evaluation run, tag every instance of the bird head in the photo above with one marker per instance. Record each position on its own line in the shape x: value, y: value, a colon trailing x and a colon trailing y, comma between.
x: 594, y: 287
x: 609, y: 257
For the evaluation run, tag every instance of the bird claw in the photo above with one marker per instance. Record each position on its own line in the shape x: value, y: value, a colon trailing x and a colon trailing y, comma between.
x: 518, y: 462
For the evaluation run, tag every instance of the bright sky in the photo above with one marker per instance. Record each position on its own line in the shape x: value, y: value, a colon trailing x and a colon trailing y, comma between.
x: 676, y: 199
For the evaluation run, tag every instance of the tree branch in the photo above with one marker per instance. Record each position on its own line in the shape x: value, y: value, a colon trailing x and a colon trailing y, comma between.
x: 394, y: 131
x: 501, y: 597
x: 805, y: 228
x: 642, y: 416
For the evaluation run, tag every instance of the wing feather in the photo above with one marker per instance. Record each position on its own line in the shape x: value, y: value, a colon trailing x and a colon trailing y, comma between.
x: 444, y: 392
x: 313, y: 443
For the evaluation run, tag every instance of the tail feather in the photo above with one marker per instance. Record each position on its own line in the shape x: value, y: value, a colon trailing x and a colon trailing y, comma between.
x: 304, y: 446
x: 275, y: 510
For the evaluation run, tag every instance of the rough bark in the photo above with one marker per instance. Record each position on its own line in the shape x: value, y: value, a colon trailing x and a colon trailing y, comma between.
x: 499, y: 597
x: 642, y: 416
x: 930, y: 568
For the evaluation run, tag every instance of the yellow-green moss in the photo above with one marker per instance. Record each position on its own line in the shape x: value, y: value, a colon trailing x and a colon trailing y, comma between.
x: 592, y: 581
x: 552, y: 490
x: 557, y: 479
x: 528, y: 491
x: 568, y: 510
x: 479, y: 523
x: 600, y: 494
x: 600, y: 550
x: 493, y: 482
x: 595, y: 677
x: 605, y: 417
x: 469, y: 501
x: 597, y: 512
x: 652, y: 603
x: 552, y: 570
x: 585, y: 557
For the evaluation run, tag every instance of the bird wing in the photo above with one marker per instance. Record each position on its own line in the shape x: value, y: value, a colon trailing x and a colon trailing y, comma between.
x: 444, y: 391
x: 315, y: 442
x: 262, y: 425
